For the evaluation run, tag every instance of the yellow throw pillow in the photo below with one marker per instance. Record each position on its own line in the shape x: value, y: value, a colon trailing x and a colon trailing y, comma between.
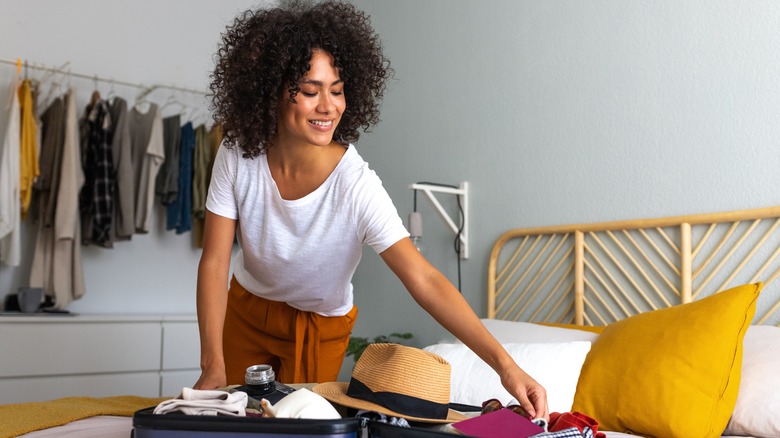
x: 588, y: 328
x: 672, y: 372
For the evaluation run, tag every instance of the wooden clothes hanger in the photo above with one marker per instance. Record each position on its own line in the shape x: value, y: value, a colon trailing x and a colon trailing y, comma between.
x: 95, y: 94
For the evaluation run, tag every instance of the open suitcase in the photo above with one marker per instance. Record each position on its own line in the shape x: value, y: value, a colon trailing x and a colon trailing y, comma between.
x: 148, y: 425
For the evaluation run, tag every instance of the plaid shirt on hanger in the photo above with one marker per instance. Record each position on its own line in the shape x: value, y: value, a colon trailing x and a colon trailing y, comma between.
x: 96, y: 200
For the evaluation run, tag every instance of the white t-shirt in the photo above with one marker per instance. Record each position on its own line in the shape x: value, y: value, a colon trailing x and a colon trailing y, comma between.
x: 303, y: 252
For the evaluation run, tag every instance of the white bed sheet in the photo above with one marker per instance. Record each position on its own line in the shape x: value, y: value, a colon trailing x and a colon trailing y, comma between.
x: 101, y: 426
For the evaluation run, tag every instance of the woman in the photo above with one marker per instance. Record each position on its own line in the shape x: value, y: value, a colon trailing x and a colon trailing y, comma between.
x: 292, y: 87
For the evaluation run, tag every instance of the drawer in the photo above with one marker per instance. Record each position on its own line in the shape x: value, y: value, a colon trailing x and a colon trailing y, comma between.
x: 30, y: 389
x: 171, y: 382
x: 41, y: 349
x: 181, y: 346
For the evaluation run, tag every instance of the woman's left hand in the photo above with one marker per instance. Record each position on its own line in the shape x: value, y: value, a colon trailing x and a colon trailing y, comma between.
x: 529, y: 394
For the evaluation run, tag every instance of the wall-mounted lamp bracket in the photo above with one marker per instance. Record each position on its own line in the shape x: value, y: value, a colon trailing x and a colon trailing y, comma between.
x: 463, y: 192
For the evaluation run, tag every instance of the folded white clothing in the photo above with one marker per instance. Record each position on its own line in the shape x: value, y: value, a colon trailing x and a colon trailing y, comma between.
x: 303, y: 403
x: 205, y: 402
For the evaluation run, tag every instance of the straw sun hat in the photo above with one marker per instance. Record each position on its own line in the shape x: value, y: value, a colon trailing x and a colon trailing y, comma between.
x: 398, y: 381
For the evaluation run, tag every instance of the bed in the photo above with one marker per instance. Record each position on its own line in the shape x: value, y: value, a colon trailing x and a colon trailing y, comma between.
x: 655, y: 327
x: 664, y: 327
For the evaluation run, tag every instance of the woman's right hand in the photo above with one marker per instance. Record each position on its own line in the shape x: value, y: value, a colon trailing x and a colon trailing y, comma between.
x: 211, y: 380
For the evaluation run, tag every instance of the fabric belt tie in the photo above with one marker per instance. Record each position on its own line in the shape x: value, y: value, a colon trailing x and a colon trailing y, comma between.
x: 403, y: 404
x: 307, y: 331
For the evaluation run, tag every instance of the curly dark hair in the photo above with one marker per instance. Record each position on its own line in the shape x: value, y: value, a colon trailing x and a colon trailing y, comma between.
x: 265, y: 50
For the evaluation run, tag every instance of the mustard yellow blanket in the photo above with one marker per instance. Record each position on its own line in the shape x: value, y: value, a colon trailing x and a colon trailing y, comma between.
x: 17, y: 419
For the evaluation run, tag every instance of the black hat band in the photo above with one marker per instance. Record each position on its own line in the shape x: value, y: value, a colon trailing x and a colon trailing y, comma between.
x: 403, y: 404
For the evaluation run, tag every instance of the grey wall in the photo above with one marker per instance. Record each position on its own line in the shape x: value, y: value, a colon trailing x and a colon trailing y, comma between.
x: 561, y: 112
x: 554, y: 112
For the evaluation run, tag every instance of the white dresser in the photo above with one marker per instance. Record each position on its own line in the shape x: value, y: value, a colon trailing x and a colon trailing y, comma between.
x: 48, y: 357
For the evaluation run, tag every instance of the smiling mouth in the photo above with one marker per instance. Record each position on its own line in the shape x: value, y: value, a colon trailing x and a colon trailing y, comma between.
x: 323, y: 123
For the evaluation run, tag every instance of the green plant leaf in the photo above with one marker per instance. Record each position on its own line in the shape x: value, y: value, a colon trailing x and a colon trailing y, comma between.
x: 358, y: 344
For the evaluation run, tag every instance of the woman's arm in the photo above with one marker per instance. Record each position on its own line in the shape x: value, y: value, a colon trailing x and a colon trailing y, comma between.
x: 437, y: 295
x: 212, y: 288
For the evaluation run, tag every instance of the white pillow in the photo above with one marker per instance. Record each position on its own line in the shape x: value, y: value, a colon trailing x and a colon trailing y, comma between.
x: 516, y: 332
x: 556, y: 366
x: 758, y: 402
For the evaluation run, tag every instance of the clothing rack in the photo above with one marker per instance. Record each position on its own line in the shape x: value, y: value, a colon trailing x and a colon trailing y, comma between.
x: 145, y: 89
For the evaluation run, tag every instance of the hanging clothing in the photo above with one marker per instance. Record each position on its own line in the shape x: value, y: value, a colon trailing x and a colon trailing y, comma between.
x: 146, y: 138
x: 123, y: 220
x: 57, y: 266
x: 28, y: 166
x: 167, y: 183
x: 213, y: 139
x: 68, y: 273
x: 10, y: 205
x: 45, y: 194
x: 200, y: 163
x: 46, y: 186
x: 179, y: 211
x: 96, y: 201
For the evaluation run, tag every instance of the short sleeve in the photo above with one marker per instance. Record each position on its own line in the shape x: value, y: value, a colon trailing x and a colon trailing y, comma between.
x: 379, y: 225
x: 221, y: 199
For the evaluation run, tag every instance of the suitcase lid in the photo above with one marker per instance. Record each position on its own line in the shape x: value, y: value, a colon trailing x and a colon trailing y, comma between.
x: 146, y: 419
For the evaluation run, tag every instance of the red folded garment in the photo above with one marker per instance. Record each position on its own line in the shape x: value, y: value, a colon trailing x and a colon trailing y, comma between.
x: 561, y: 421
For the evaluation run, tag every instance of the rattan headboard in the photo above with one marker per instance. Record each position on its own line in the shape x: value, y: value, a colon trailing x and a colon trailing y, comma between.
x: 594, y: 274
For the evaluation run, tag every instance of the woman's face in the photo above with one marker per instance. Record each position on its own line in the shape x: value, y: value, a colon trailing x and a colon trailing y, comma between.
x: 313, y: 118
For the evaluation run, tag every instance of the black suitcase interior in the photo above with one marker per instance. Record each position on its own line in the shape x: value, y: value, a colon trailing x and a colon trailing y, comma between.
x: 384, y: 430
x: 146, y: 424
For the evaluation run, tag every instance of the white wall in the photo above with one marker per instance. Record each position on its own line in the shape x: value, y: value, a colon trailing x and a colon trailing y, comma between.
x: 148, y: 42
x: 554, y: 112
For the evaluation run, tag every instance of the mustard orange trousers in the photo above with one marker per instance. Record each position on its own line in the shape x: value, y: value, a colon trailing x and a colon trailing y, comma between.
x: 302, y: 347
